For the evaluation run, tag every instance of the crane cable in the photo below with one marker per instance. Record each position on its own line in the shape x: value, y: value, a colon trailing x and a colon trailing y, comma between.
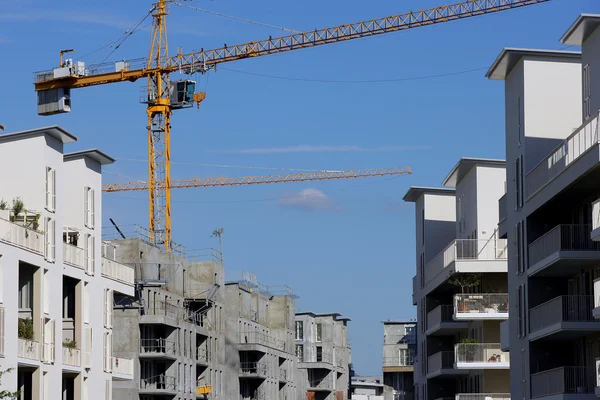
x: 236, y: 18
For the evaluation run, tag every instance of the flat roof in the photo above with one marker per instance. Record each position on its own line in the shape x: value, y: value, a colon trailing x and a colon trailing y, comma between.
x: 94, y: 154
x: 581, y: 29
x: 509, y: 57
x: 55, y: 131
x: 399, y: 322
x: 414, y: 192
x: 464, y: 165
x: 333, y: 315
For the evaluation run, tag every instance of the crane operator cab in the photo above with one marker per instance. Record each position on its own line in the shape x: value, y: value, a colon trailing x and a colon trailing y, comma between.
x: 182, y: 94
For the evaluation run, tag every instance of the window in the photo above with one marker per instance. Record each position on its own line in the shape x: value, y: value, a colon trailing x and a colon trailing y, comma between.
x: 88, y: 207
x: 108, y: 308
x: 519, y: 183
x: 406, y: 357
x: 50, y: 236
x: 299, y: 330
x: 586, y: 91
x: 89, y: 255
x: 107, y: 352
x: 521, y: 312
x: 519, y: 121
x: 520, y: 245
x: 50, y: 189
x: 319, y: 332
x: 300, y: 352
x: 319, y: 353
x: 422, y: 269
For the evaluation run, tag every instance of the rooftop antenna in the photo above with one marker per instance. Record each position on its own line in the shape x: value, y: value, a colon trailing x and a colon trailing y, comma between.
x: 218, y: 233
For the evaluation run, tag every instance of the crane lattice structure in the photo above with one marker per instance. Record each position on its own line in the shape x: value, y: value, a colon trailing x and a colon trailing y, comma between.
x: 163, y: 96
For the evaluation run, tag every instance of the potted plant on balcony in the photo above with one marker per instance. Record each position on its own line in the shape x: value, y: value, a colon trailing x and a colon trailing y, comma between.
x: 467, y: 351
x: 17, y: 208
x: 4, y: 211
x: 70, y: 344
x: 25, y: 329
x: 464, y: 281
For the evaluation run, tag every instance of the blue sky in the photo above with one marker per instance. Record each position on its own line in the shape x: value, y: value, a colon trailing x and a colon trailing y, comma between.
x: 349, y: 245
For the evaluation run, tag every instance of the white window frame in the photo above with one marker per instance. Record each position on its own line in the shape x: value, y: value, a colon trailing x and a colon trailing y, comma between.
x: 299, y: 330
x: 50, y: 189
x: 89, y: 207
x: 50, y: 239
x: 108, y: 308
x: 89, y: 251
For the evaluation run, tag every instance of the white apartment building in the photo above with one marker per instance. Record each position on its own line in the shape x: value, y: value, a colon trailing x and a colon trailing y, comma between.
x: 550, y: 215
x: 56, y: 291
x: 460, y: 288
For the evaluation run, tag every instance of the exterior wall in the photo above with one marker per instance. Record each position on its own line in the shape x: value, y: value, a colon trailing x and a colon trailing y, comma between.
x: 398, y: 372
x: 26, y: 159
x: 591, y: 57
x: 490, y: 187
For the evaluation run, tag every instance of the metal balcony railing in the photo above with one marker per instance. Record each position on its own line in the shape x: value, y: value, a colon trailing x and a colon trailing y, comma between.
x: 407, y: 360
x: 596, y: 214
x: 118, y: 272
x: 562, y: 238
x: 159, y: 382
x: 479, y: 353
x: 20, y: 236
x: 561, y: 309
x: 563, y: 380
x: 440, y: 360
x: 439, y: 314
x: 481, y: 303
x: 158, y: 346
x: 252, y: 337
x: 483, y: 396
x: 202, y: 355
x: 562, y: 156
x: 253, y: 368
x: 73, y: 255
x: 71, y: 356
x: 466, y: 250
x: 502, y: 208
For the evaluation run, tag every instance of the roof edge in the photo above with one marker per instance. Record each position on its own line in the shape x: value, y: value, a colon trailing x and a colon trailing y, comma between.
x: 414, y: 192
x: 491, y: 162
x: 95, y: 154
x: 54, y: 131
x: 521, y: 52
x: 575, y: 27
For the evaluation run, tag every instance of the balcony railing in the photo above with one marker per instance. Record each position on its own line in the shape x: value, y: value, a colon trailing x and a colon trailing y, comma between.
x: 202, y: 355
x: 399, y: 361
x: 561, y: 309
x: 502, y: 208
x: 159, y: 382
x: 560, y: 158
x: 442, y: 313
x: 71, y: 356
x: 73, y: 255
x: 440, y: 360
x: 122, y: 366
x: 466, y: 250
x: 253, y: 368
x: 20, y: 236
x: 29, y: 349
x: 480, y: 354
x: 563, y: 380
x: 481, y: 306
x: 253, y: 337
x: 170, y: 310
x: 158, y: 346
x: 562, y: 238
x: 483, y: 396
x: 118, y: 272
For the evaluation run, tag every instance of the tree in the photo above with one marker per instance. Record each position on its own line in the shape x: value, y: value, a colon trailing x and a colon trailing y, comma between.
x: 5, y: 394
x: 464, y: 281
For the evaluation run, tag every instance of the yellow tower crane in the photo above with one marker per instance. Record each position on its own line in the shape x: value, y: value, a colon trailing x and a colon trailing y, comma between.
x: 163, y: 96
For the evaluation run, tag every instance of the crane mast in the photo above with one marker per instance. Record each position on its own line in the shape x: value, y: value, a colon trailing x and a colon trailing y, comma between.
x: 159, y: 131
x: 53, y: 86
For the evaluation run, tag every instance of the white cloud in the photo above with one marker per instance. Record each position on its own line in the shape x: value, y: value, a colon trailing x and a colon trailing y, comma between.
x: 309, y: 199
x: 321, y: 148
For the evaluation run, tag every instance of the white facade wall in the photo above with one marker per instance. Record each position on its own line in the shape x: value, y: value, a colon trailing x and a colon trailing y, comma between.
x: 24, y: 160
x: 490, y: 187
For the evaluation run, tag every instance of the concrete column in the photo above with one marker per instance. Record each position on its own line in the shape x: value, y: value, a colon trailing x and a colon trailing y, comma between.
x: 78, y: 386
x: 36, y: 387
x: 78, y: 337
x: 38, y: 278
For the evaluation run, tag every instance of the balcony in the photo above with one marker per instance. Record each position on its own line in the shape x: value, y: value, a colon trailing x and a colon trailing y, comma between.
x: 261, y: 339
x: 442, y: 364
x: 440, y: 322
x: 29, y: 349
x: 483, y: 396
x: 399, y: 363
x: 71, y: 357
x: 572, y: 148
x: 202, y: 356
x: 158, y: 348
x: 159, y: 384
x: 471, y: 307
x: 22, y: 237
x: 481, y: 356
x: 321, y: 385
x: 122, y: 368
x: 73, y: 256
x: 563, y: 380
x: 564, y: 317
x: 118, y: 272
x: 467, y: 256
x: 563, y: 251
x: 253, y: 369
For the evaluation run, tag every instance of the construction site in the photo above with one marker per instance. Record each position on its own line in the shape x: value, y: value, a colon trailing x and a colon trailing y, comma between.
x: 167, y: 307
